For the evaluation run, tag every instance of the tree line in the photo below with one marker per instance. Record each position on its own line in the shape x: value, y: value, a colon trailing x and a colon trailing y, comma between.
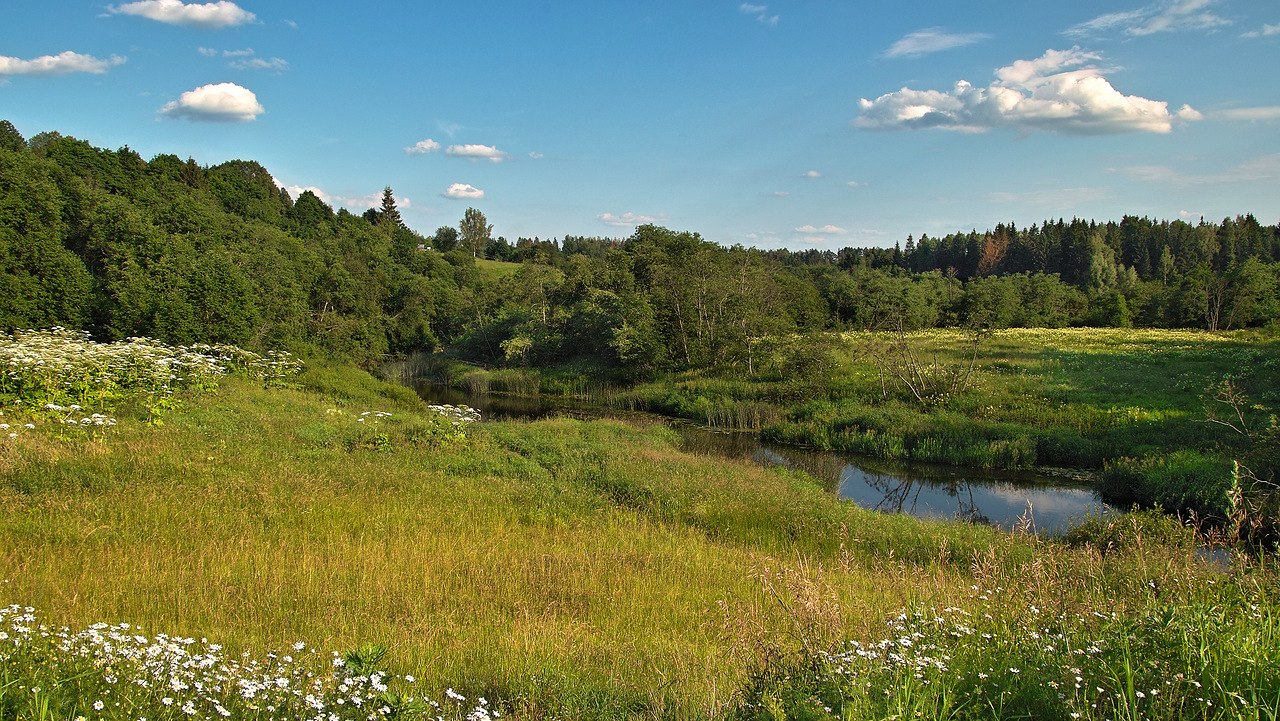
x: 121, y: 246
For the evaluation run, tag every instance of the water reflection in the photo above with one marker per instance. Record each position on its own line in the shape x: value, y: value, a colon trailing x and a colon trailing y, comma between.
x: 927, y: 491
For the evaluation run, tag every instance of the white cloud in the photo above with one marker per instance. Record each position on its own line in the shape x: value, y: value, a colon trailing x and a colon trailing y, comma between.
x: 297, y: 190
x: 356, y: 203
x: 244, y: 59
x: 1265, y: 112
x: 825, y: 230
x: 781, y: 194
x: 931, y: 40
x: 218, y: 102
x: 1264, y: 168
x: 362, y: 203
x: 462, y: 191
x: 477, y: 152
x: 812, y: 174
x: 535, y: 155
x: 759, y: 12
x: 212, y: 15
x: 61, y: 64
x: 422, y: 147
x: 1266, y: 32
x: 628, y: 219
x: 1061, y: 91
x: 855, y: 184
x: 278, y: 65
x: 1159, y: 17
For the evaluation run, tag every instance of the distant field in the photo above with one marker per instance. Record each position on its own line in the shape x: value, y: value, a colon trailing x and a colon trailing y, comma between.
x: 497, y: 268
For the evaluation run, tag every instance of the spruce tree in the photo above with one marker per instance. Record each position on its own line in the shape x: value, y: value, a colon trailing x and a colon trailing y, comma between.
x: 389, y: 213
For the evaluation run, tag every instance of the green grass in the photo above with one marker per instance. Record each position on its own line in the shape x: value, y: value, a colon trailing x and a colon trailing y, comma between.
x: 498, y: 269
x: 1073, y: 398
x: 560, y: 568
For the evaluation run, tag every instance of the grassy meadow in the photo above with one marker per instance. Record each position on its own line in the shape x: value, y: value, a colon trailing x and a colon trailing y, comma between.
x: 557, y: 569
x: 1136, y: 406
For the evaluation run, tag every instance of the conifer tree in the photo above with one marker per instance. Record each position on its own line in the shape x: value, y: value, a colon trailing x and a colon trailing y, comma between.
x: 389, y: 213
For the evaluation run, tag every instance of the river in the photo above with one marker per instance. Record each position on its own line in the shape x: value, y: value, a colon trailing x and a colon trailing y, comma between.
x: 1047, y: 504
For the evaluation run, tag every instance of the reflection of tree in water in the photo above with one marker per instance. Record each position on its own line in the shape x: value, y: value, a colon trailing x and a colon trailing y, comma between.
x: 826, y: 467
x: 901, y: 493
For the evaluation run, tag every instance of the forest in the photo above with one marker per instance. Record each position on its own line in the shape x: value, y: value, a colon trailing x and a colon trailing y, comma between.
x: 120, y: 246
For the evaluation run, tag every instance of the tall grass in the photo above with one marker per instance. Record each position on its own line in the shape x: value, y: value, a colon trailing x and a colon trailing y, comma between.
x: 559, y: 568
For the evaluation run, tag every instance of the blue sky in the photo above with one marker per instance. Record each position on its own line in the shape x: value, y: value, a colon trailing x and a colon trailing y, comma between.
x: 798, y: 124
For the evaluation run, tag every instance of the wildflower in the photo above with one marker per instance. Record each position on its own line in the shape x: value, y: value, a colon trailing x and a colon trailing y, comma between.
x: 98, y: 705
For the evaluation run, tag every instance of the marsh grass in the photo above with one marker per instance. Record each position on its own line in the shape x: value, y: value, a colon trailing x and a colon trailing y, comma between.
x: 1137, y: 402
x: 584, y: 567
x: 559, y: 568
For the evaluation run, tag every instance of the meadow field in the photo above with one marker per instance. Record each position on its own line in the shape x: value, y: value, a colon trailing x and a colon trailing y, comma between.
x: 243, y: 540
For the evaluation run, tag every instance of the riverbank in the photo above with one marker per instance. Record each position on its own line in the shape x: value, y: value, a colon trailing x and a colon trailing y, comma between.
x: 1049, y: 502
x: 1114, y: 402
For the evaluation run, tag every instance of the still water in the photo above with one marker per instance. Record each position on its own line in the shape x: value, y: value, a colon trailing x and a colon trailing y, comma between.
x: 1001, y: 498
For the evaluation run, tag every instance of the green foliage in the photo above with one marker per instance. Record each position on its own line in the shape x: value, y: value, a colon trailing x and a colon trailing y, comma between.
x: 1140, y: 529
x: 1182, y: 480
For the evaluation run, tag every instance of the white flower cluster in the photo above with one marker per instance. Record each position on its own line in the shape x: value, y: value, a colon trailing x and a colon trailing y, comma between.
x: 65, y: 366
x: 459, y: 416
x: 199, y: 680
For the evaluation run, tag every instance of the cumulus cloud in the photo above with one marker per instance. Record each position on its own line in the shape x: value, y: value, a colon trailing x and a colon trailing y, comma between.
x: 372, y: 200
x: 931, y: 40
x: 1062, y: 91
x: 854, y: 184
x: 212, y: 15
x: 759, y: 12
x: 476, y: 152
x: 350, y: 202
x: 1159, y: 17
x: 781, y: 194
x: 225, y: 102
x: 535, y: 155
x: 824, y: 230
x: 812, y: 174
x: 422, y: 147
x: 295, y: 191
x: 63, y: 63
x: 628, y: 219
x: 462, y: 191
